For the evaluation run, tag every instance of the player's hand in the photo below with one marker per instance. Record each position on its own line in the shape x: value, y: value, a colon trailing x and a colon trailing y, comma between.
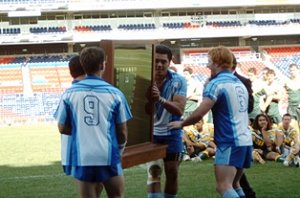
x: 175, y: 125
x: 155, y: 93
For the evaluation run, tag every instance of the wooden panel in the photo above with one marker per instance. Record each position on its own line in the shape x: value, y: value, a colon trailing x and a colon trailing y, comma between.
x: 142, y: 153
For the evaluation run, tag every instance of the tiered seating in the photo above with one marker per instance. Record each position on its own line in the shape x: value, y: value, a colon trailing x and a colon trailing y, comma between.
x: 64, y: 77
x: 26, y: 2
x: 48, y: 59
x: 45, y: 77
x: 147, y: 26
x: 295, y: 21
x: 20, y: 109
x: 11, y: 80
x: 48, y: 76
x: 90, y: 28
x: 266, y: 22
x: 282, y: 57
x: 224, y: 23
x: 8, y: 31
x: 245, y: 65
x: 44, y: 72
x: 178, y: 25
x: 282, y: 51
x: 18, y: 59
x: 200, y: 72
x: 37, y: 30
x: 6, y: 60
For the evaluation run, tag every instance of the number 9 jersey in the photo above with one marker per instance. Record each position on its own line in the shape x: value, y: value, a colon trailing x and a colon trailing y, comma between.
x: 94, y: 108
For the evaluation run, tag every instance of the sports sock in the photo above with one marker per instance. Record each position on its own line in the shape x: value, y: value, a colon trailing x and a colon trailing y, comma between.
x: 204, y: 155
x: 240, y: 192
x: 166, y: 195
x: 154, y: 195
x: 279, y: 158
x: 230, y: 193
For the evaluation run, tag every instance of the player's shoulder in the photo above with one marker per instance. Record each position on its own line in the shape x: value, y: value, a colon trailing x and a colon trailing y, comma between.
x: 176, y: 77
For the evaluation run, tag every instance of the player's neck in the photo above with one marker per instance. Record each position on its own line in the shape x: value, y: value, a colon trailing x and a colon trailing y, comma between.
x: 160, y: 80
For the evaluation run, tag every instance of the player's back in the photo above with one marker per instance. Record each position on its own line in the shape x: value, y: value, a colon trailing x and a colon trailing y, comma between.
x: 230, y: 113
x: 95, y: 111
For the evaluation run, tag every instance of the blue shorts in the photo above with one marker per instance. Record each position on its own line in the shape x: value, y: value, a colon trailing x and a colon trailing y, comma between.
x: 174, y: 142
x: 239, y: 157
x: 94, y: 173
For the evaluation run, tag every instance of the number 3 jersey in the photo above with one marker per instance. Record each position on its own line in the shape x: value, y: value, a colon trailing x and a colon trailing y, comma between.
x: 94, y: 108
x: 230, y: 111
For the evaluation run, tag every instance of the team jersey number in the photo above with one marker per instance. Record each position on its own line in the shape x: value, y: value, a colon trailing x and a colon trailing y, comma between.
x: 242, y: 100
x: 91, y: 107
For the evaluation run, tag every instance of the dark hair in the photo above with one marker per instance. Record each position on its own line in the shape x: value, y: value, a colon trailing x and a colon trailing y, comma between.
x: 234, y: 62
x: 252, y: 70
x: 293, y: 65
x: 255, y: 125
x: 287, y: 115
x: 75, y: 67
x: 266, y: 69
x: 92, y: 59
x: 271, y: 71
x: 163, y: 49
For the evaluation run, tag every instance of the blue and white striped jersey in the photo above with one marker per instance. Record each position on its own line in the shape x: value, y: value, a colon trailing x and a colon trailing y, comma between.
x: 230, y: 115
x: 174, y: 85
x: 95, y: 107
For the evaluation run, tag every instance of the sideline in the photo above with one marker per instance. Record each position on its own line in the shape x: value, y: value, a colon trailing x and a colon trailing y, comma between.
x: 31, y: 177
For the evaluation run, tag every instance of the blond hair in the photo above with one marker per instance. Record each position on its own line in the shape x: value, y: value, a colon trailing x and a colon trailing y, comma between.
x: 221, y: 56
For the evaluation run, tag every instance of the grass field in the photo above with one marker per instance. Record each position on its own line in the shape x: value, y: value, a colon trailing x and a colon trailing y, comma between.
x: 30, y: 167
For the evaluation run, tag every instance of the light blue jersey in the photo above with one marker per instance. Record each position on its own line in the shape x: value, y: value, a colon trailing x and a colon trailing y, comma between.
x: 230, y: 115
x: 93, y: 107
x: 174, y: 85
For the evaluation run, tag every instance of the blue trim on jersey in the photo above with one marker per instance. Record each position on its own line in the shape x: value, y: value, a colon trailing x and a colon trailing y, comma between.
x: 175, y: 85
x: 234, y: 138
x: 230, y: 114
x: 98, y: 102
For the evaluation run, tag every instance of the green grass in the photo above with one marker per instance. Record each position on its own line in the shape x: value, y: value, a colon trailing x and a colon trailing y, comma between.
x: 30, y: 167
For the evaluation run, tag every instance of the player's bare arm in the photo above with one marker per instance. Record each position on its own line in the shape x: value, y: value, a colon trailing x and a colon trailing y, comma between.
x: 174, y: 106
x: 197, y: 115
x: 64, y: 129
x: 122, y: 133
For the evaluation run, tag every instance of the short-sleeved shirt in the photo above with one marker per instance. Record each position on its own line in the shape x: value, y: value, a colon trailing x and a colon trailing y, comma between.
x: 174, y: 85
x: 94, y: 108
x: 258, y: 139
x: 290, y: 134
x: 230, y: 111
x: 195, y: 136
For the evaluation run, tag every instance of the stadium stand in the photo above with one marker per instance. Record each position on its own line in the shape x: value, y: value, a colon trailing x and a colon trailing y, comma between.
x: 282, y: 57
x: 93, y: 28
x: 146, y: 26
x: 64, y: 21
x: 38, y: 30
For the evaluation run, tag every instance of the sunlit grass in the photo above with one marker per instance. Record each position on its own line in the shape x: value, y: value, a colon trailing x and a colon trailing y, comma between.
x: 23, y: 146
x: 30, y: 167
